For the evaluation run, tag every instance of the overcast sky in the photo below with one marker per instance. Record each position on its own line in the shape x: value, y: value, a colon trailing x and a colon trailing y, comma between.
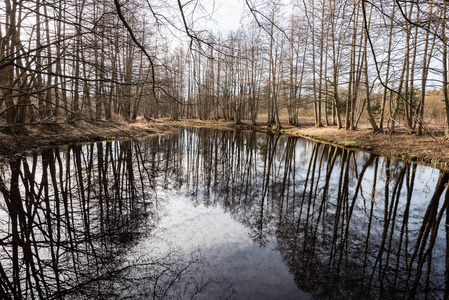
x: 227, y: 14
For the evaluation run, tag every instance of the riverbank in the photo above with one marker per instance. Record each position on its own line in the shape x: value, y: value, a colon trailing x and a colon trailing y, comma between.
x: 431, y: 148
x: 39, y: 137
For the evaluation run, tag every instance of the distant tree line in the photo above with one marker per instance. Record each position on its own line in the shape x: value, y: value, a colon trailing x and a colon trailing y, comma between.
x: 340, y: 61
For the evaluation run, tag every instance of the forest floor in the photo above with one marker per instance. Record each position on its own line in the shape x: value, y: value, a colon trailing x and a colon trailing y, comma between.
x: 430, y: 148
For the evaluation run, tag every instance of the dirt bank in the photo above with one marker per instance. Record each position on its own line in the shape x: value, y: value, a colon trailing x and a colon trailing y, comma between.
x: 431, y: 148
x: 43, y: 136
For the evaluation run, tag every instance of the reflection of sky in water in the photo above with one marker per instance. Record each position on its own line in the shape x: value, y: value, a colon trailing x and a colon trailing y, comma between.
x: 222, y: 239
x: 253, y: 272
x: 227, y: 245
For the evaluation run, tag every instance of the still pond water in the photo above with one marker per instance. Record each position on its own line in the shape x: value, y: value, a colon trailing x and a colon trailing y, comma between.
x: 209, y: 214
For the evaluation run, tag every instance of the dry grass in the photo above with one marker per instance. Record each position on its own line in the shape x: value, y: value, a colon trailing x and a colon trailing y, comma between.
x: 431, y: 148
x: 42, y: 136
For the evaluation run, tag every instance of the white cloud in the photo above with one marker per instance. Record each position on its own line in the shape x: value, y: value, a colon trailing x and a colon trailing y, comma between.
x: 226, y: 14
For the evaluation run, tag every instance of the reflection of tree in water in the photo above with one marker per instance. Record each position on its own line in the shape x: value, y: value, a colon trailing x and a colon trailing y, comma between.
x: 347, y: 223
x: 67, y: 219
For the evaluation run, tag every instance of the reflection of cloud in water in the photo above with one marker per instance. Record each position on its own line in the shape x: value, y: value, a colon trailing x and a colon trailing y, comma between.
x: 226, y: 256
x: 226, y: 199
x: 164, y: 275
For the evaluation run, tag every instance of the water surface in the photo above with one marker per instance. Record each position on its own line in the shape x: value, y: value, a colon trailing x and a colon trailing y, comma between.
x: 209, y: 214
